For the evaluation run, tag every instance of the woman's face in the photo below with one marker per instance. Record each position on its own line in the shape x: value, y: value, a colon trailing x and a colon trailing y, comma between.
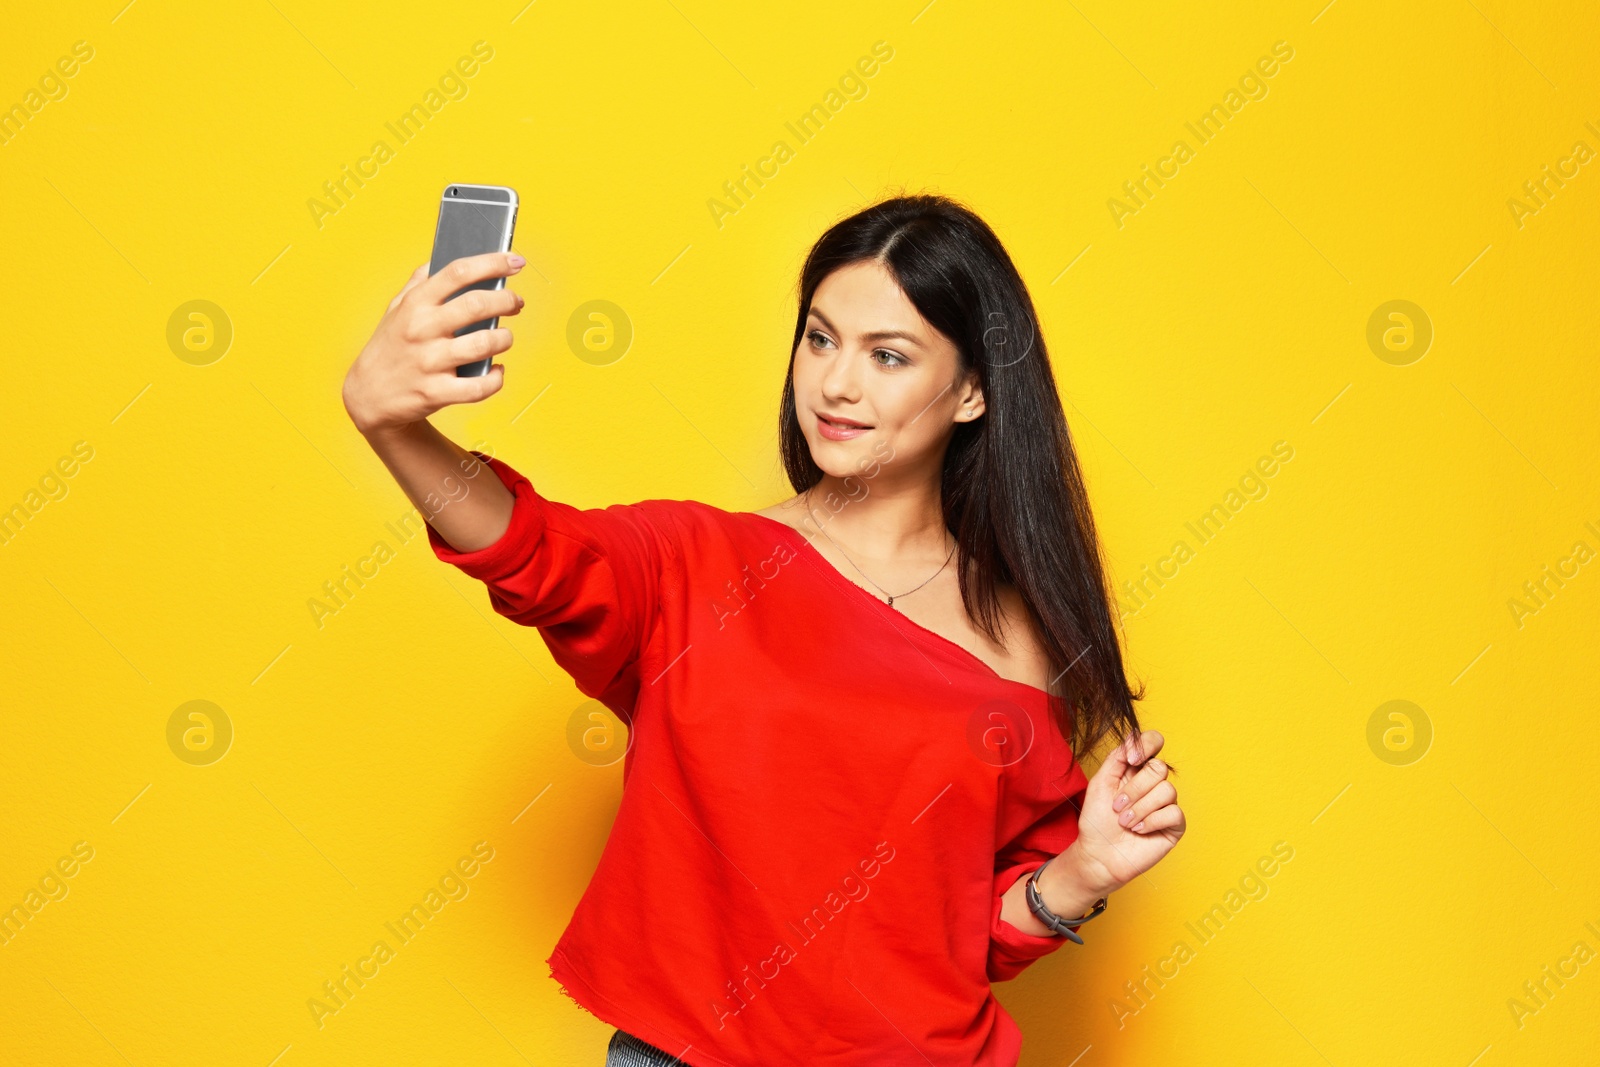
x: 870, y: 357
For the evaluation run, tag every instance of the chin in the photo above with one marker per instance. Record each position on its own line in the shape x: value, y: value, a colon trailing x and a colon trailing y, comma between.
x: 842, y: 459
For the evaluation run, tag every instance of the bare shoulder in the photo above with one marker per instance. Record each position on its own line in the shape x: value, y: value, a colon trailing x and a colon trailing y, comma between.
x: 1025, y: 645
x: 791, y: 513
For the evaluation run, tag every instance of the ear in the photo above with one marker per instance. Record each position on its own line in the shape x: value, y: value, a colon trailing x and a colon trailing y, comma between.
x: 969, y: 400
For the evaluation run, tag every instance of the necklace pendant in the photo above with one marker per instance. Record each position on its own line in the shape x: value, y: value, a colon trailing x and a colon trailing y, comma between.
x: 891, y: 602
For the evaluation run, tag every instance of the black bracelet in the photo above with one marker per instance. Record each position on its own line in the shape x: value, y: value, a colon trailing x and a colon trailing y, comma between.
x: 1064, y: 927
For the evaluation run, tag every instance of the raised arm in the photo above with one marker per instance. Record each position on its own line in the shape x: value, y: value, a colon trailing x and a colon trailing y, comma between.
x: 407, y: 371
x: 591, y: 579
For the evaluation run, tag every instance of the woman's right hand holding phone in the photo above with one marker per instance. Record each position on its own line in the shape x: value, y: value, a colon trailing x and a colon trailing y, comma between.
x: 407, y: 371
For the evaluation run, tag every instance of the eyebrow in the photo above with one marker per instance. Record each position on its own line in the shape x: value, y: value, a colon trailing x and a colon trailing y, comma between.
x: 875, y: 335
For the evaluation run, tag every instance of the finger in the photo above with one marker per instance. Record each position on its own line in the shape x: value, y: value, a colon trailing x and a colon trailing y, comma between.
x: 476, y: 305
x: 1164, y: 793
x: 418, y: 276
x: 471, y: 347
x: 1115, y: 765
x: 1148, y: 744
x: 1129, y: 752
x: 460, y: 273
x: 1160, y: 819
x: 449, y: 389
x: 1142, y: 781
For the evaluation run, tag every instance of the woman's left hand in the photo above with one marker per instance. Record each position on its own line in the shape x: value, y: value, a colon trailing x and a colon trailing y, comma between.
x: 1130, y: 817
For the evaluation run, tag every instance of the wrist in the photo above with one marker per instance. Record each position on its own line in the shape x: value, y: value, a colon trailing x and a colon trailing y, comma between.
x: 390, y: 431
x: 1073, y: 881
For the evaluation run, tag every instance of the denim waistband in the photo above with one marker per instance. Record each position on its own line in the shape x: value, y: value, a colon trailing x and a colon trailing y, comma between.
x: 626, y: 1050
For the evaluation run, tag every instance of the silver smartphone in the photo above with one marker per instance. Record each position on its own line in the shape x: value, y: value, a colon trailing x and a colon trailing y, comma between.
x: 474, y: 219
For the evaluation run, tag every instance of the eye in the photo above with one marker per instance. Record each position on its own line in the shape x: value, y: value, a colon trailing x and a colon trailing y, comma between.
x: 901, y: 360
x: 813, y: 335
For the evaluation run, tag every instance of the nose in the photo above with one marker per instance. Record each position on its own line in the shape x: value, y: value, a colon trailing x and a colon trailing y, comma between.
x: 839, y: 377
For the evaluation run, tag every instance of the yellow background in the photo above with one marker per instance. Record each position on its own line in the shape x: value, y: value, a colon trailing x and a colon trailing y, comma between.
x: 1230, y: 312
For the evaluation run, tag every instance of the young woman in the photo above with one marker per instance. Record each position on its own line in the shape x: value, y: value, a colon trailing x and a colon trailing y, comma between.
x: 851, y: 799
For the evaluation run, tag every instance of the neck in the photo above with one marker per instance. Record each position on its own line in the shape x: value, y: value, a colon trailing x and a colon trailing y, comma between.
x: 881, y: 520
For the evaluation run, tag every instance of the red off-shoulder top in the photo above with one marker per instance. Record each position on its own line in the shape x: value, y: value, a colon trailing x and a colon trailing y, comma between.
x: 822, y: 800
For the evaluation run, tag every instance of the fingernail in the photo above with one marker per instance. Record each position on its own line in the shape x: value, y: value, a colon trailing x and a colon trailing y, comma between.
x: 1140, y: 825
x: 515, y: 260
x: 1120, y: 803
x: 1125, y: 816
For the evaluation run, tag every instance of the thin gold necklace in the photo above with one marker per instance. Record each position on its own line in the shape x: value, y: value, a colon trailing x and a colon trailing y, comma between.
x: 892, y: 596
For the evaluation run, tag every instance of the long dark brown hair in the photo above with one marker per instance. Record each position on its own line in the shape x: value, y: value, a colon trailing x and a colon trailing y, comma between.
x: 1011, y: 490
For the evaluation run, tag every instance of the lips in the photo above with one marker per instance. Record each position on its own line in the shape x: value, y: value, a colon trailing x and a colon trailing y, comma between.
x: 843, y: 423
x: 840, y: 430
